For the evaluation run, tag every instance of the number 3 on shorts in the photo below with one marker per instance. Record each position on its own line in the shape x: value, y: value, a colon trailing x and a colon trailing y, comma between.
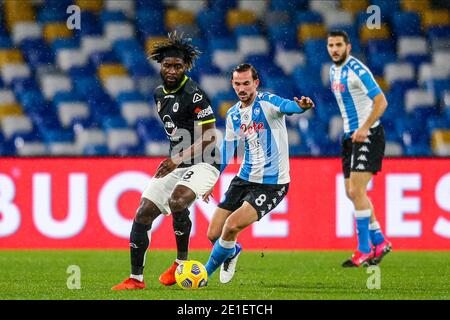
x: 188, y: 175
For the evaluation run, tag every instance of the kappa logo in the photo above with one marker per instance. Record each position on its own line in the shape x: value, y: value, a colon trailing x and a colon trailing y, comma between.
x: 269, y: 206
x: 133, y: 245
x: 274, y: 200
x: 178, y: 233
x: 175, y: 107
x: 362, y: 158
x: 280, y: 193
x: 158, y: 106
x: 367, y: 140
x: 361, y: 72
x: 197, y: 97
x: 364, y: 149
x: 360, y: 167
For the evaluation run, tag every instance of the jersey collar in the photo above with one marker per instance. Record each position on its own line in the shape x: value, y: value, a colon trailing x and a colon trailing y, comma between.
x: 186, y: 78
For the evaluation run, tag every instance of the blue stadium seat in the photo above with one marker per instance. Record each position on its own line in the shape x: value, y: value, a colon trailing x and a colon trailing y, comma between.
x: 246, y: 30
x: 150, y: 23
x: 316, y: 52
x: 90, y: 24
x: 36, y: 52
x: 406, y: 24
x: 21, y: 85
x: 289, y: 5
x: 281, y: 86
x: 112, y: 16
x: 98, y: 58
x: 437, y: 86
x: 224, y: 4
x: 302, y: 17
x: 149, y: 5
x: 52, y: 14
x: 5, y: 42
x: 212, y: 23
x: 95, y: 150
x: 438, y: 32
x: 387, y: 7
x: 283, y: 35
x: 150, y: 130
x: 114, y: 122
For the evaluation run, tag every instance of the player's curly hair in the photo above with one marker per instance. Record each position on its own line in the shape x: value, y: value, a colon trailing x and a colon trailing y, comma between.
x: 175, y: 43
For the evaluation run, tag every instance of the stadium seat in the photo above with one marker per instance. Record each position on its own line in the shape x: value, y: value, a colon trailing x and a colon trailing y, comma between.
x: 226, y: 59
x: 56, y: 30
x: 283, y: 36
x: 17, y: 11
x: 128, y: 7
x: 276, y: 18
x: 323, y: 6
x: 114, y: 31
x: 337, y: 18
x: 115, y: 85
x: 194, y: 6
x: 434, y: 18
x: 53, y: 83
x: 354, y: 6
x: 406, y: 24
x: 30, y: 148
x: 308, y: 17
x: 68, y: 111
x: 90, y: 5
x: 398, y: 71
x: 236, y: 17
x: 440, y: 143
x: 26, y: 30
x: 14, y: 124
x: 416, y: 5
x: 367, y: 34
x: 289, y: 6
x: 257, y: 7
x: 85, y: 137
x: 393, y: 149
x: 92, y: 43
x: 212, y: 23
x: 250, y: 45
x: 310, y: 32
x: 10, y: 56
x: 213, y: 84
x: 106, y: 71
x: 176, y: 17
x: 132, y: 111
x: 428, y: 71
x: 156, y: 149
x: 316, y: 52
x: 288, y: 59
x: 12, y: 71
x: 419, y: 98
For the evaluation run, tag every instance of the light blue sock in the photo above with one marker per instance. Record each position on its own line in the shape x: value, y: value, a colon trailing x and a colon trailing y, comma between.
x: 220, y: 252
x: 376, y: 236
x: 362, y: 226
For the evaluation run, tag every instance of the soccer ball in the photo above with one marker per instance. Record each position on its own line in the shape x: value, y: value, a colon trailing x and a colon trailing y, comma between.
x: 191, y: 274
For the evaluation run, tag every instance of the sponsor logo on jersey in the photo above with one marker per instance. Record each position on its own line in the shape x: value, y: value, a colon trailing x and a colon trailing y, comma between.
x: 203, y: 113
x: 250, y: 128
x: 175, y: 107
x: 169, y: 125
x: 337, y: 87
x: 197, y: 97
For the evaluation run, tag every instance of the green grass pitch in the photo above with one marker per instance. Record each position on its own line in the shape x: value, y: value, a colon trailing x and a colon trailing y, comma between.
x: 268, y: 275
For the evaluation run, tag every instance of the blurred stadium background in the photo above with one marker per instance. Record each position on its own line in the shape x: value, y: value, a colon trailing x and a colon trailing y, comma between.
x: 89, y: 91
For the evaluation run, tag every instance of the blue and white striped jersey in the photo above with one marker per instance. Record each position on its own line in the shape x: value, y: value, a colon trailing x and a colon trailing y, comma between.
x: 354, y: 87
x: 262, y: 128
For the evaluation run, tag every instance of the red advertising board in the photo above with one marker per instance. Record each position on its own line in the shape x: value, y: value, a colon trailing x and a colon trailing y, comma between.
x: 90, y: 203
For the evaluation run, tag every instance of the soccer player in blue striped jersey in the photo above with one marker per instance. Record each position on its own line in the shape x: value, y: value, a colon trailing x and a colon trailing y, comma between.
x: 362, y: 103
x: 257, y: 121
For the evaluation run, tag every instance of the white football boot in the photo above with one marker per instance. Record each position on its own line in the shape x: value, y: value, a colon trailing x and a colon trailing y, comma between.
x: 228, y: 268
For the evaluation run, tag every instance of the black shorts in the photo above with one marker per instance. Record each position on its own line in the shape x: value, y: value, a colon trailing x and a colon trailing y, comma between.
x: 366, y: 156
x: 263, y: 197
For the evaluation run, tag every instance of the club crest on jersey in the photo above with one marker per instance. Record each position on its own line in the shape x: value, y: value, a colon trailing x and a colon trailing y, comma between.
x: 197, y: 97
x: 175, y: 107
x: 158, y: 106
x: 256, y: 111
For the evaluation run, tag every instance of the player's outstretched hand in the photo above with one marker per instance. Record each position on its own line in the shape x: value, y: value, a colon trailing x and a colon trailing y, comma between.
x: 165, y: 167
x: 305, y: 102
x: 206, y: 196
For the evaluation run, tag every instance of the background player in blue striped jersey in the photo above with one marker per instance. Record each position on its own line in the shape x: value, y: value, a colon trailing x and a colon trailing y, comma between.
x: 257, y: 120
x: 361, y: 103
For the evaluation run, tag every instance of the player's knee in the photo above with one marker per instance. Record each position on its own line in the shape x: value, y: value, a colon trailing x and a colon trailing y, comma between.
x: 145, y: 214
x: 356, y: 193
x: 212, y: 235
x: 177, y: 204
x: 231, y: 227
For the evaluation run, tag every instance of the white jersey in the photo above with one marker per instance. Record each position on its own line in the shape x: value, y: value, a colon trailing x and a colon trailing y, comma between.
x: 354, y: 88
x: 262, y: 128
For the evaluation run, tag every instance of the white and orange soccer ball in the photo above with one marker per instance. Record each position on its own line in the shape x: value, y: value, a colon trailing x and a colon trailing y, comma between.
x: 191, y: 274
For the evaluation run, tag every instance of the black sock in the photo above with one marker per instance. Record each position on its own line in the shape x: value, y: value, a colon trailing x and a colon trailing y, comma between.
x: 138, y: 246
x: 182, y: 228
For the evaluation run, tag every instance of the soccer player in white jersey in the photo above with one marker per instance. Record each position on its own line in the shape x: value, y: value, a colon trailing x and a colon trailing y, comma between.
x: 361, y: 103
x: 258, y: 121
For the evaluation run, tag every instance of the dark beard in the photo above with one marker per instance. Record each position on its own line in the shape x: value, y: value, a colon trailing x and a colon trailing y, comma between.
x: 169, y: 86
x: 342, y: 60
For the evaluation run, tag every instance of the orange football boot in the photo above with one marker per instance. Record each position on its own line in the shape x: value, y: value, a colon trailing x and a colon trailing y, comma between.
x: 167, y: 278
x: 130, y: 284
